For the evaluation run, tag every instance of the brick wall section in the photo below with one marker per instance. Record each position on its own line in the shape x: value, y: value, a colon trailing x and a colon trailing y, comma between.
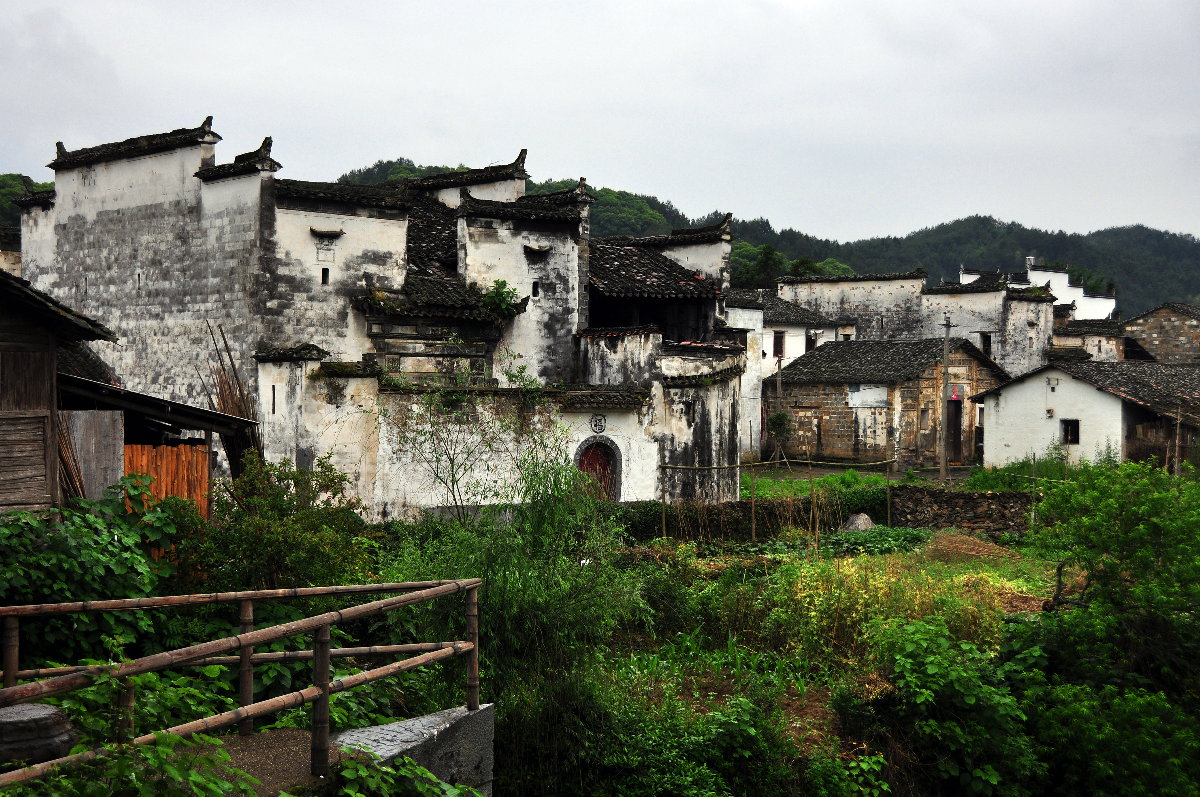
x: 1169, y: 335
x: 825, y: 427
x: 991, y: 513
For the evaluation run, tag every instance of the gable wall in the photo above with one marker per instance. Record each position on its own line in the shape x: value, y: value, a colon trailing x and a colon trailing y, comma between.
x: 1170, y: 336
x: 1018, y: 426
x: 540, y: 337
x: 884, y: 309
x: 147, y: 249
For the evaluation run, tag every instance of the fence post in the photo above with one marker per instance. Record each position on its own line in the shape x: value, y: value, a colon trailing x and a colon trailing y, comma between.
x: 125, y: 701
x: 246, y: 667
x: 319, y: 763
x: 473, y: 657
x: 12, y: 642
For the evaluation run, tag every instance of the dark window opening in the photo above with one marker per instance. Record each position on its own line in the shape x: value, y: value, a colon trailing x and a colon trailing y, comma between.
x: 272, y: 399
x: 139, y: 282
x: 1070, y: 431
x: 985, y: 343
x: 777, y: 347
x: 324, y: 276
x: 847, y: 336
x: 537, y: 289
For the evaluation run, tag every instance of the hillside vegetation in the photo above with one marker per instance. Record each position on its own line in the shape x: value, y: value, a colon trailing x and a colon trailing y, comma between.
x: 1148, y: 266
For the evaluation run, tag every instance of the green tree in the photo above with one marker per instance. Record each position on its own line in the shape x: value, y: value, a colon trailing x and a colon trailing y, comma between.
x: 12, y: 186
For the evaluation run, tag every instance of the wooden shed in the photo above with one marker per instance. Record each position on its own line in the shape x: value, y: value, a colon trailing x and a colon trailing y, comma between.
x: 32, y: 326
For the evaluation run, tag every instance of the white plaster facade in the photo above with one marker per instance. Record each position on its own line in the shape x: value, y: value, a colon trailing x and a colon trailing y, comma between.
x: 1025, y: 419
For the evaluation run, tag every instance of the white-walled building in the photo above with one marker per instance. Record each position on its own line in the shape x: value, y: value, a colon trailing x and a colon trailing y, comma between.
x: 1057, y: 281
x: 1131, y: 409
x: 346, y: 307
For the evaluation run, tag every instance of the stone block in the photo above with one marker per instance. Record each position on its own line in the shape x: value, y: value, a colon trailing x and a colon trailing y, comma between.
x: 32, y: 732
x: 455, y: 744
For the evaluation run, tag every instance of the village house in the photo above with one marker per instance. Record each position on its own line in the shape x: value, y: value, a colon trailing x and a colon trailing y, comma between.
x: 1170, y: 333
x: 869, y: 401
x: 1056, y: 280
x: 347, y: 308
x: 10, y: 250
x: 68, y: 431
x: 1132, y: 410
x: 1011, y: 325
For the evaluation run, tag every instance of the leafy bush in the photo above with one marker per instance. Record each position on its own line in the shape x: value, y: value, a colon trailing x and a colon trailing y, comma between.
x: 358, y: 774
x: 88, y: 551
x: 950, y: 711
x: 170, y: 767
x: 876, y: 540
x: 277, y: 526
x: 827, y: 612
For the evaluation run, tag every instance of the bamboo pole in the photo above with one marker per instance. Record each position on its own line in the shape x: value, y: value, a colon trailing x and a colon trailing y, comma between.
x: 263, y: 708
x: 203, y: 598
x: 125, y: 704
x: 319, y: 758
x: 246, y: 666
x: 160, y: 661
x: 12, y: 650
x: 473, y: 658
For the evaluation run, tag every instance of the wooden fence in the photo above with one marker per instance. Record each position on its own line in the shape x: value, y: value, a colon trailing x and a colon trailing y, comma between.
x: 177, y: 470
x: 62, y: 680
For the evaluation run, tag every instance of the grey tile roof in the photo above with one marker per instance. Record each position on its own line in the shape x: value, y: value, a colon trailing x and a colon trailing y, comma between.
x: 560, y: 207
x: 687, y: 236
x: 744, y: 298
x: 905, y: 275
x: 359, y: 195
x: 617, y: 332
x: 430, y: 293
x: 488, y: 174
x: 134, y: 147
x: 1189, y: 310
x: 252, y: 162
x: 65, y: 322
x: 874, y: 361
x: 620, y: 269
x: 1162, y: 387
x: 1093, y: 326
x: 432, y: 234
x: 776, y: 311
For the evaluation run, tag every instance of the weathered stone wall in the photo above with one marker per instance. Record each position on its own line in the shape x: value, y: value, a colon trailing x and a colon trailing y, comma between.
x: 1169, y: 335
x: 710, y: 259
x: 991, y: 513
x: 884, y: 309
x: 831, y: 422
x: 617, y: 359
x: 146, y: 248
x: 522, y: 253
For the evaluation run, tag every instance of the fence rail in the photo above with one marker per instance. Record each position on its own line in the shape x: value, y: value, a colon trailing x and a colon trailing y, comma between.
x: 62, y: 680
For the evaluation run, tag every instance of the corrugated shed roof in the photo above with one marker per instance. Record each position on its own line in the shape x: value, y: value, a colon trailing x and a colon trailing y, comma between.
x: 874, y: 361
x: 619, y: 269
x: 135, y: 147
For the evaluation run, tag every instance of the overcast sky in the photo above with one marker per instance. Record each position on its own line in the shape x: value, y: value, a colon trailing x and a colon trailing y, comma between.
x: 841, y: 119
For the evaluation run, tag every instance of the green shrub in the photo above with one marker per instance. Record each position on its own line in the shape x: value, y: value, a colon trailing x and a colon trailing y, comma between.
x: 87, y: 551
x: 170, y: 767
x: 277, y: 526
x: 952, y: 713
x: 876, y: 540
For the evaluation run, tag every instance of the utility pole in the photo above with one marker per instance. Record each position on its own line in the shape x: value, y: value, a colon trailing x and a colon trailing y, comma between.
x: 943, y: 437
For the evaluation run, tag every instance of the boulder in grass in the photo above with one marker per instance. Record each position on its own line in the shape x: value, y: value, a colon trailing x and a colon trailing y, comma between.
x: 858, y: 522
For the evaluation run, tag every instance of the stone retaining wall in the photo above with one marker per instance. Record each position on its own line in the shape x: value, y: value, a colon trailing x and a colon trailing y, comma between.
x: 991, y: 513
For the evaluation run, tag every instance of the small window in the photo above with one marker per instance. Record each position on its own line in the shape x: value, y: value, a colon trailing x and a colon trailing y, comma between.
x: 324, y: 276
x: 985, y: 343
x: 272, y: 399
x: 1070, y: 431
x: 925, y: 418
x: 778, y: 343
x: 847, y: 336
x: 536, y: 290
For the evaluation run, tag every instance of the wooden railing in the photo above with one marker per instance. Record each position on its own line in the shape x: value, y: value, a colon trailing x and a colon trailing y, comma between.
x: 61, y: 680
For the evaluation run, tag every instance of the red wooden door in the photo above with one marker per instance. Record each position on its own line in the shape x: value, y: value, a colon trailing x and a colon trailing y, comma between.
x: 596, y: 461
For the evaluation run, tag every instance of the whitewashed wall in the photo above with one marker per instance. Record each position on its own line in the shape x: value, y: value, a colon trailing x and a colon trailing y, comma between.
x: 750, y: 433
x: 1017, y: 425
x: 540, y: 337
